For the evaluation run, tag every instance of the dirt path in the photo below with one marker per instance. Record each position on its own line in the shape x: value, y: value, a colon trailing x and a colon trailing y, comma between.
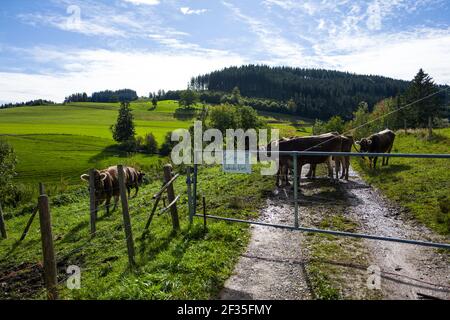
x: 408, y: 271
x: 272, y: 267
x: 275, y: 263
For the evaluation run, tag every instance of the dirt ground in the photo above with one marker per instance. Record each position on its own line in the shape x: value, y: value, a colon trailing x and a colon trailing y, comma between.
x: 278, y: 263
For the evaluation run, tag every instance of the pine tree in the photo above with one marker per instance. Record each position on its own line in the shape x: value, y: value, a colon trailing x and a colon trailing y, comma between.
x: 123, y: 130
x: 421, y: 86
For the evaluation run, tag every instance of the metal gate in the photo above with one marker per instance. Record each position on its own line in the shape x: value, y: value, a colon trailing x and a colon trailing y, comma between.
x: 192, y: 197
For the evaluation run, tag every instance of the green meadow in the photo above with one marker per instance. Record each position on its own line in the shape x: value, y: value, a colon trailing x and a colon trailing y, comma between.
x: 57, y: 143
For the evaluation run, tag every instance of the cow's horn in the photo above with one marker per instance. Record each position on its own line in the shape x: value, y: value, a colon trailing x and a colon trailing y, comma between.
x: 103, y: 176
x: 85, y: 177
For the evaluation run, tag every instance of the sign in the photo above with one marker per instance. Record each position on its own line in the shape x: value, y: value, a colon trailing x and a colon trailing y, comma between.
x: 237, y: 162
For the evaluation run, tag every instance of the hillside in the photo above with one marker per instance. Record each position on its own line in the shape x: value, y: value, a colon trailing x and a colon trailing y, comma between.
x: 317, y: 93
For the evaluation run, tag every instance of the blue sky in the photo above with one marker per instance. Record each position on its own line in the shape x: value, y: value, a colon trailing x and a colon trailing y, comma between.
x: 49, y: 49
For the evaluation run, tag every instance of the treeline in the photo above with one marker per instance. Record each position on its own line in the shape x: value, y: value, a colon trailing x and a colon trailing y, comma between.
x: 104, y: 96
x: 38, y: 102
x: 423, y: 105
x: 314, y: 93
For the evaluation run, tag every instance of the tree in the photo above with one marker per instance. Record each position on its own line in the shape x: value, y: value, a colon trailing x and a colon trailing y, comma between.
x: 188, y: 98
x: 421, y: 86
x: 8, y: 161
x: 154, y: 102
x: 123, y: 131
x: 292, y: 106
x: 150, y: 143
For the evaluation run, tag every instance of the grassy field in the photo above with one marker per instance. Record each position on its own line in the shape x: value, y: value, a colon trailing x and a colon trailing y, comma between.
x: 190, y: 264
x: 420, y: 185
x: 57, y: 143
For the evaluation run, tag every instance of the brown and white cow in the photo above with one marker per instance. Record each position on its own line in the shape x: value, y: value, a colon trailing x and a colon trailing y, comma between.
x: 134, y: 179
x: 380, y: 142
x: 106, y: 184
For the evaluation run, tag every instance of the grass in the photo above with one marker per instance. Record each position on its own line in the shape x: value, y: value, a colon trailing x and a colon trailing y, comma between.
x: 190, y: 264
x: 59, y: 142
x: 420, y: 185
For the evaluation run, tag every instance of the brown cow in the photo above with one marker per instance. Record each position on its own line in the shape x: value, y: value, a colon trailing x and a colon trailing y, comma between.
x: 325, y: 142
x: 380, y: 142
x: 134, y: 179
x: 106, y: 184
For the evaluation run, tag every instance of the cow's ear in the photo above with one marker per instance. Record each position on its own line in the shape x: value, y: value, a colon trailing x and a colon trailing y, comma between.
x: 369, y: 142
x: 358, y: 143
x: 103, y: 176
x: 85, y: 177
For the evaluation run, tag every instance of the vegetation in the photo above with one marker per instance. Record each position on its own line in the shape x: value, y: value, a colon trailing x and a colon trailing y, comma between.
x: 38, y: 102
x: 316, y: 93
x: 104, y: 96
x: 8, y: 161
x: 188, y: 98
x: 123, y: 131
x: 191, y: 264
x: 420, y: 185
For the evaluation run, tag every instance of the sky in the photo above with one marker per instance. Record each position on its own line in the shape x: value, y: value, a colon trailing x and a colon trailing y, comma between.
x: 52, y: 48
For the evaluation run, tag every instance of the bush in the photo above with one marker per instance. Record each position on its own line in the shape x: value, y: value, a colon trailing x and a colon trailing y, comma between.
x: 150, y: 144
x: 168, y: 145
x: 8, y: 161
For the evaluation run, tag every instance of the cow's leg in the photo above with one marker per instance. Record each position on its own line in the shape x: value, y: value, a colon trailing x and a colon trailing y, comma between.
x: 389, y: 151
x: 116, y: 201
x: 347, y: 166
x: 107, y: 204
x: 337, y: 168
x: 137, y: 190
x: 329, y: 167
x: 277, y: 183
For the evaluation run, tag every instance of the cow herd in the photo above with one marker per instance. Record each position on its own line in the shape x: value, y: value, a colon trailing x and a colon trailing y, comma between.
x: 380, y: 142
x: 106, y: 184
x: 106, y: 181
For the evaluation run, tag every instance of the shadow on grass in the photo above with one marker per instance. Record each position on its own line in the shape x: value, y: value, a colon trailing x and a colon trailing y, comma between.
x: 185, y: 114
x: 386, y: 170
x: 109, y: 151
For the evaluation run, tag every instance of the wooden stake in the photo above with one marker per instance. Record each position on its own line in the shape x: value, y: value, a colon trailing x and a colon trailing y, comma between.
x: 126, y: 215
x: 47, y: 248
x: 30, y: 221
x: 171, y: 197
x: 92, y: 204
x: 2, y: 224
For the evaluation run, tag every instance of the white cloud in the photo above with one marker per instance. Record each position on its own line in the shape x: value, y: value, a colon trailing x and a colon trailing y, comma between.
x: 93, y: 70
x: 147, y: 2
x: 189, y: 11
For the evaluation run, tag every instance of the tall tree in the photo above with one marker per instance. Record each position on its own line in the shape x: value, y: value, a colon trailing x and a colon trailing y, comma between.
x: 188, y: 98
x: 422, y: 86
x: 123, y: 130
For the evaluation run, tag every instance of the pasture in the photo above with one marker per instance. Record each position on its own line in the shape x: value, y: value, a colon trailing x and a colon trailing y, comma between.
x: 420, y: 185
x: 55, y: 144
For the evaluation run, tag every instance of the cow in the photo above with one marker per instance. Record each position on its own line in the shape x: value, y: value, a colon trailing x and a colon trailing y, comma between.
x: 134, y: 179
x: 326, y: 142
x: 106, y: 185
x: 380, y: 142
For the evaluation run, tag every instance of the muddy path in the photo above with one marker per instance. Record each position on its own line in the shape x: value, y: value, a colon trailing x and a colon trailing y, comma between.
x: 282, y: 264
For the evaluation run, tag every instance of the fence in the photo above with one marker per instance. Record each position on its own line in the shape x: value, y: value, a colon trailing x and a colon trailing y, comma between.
x: 50, y: 260
x: 296, y: 155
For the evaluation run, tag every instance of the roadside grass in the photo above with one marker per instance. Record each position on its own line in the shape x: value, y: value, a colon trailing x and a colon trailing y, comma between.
x: 420, y: 185
x: 190, y: 264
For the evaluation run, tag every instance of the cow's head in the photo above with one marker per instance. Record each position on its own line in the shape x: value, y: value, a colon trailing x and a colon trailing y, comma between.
x: 99, y: 179
x: 364, y: 144
x: 140, y: 177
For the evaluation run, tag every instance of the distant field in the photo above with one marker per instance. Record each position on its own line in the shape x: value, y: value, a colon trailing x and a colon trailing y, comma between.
x: 55, y: 144
x: 421, y: 185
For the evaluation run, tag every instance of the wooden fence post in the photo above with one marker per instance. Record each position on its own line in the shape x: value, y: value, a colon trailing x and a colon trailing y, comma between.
x: 30, y: 221
x: 92, y: 206
x: 47, y: 247
x: 126, y: 215
x: 430, y: 128
x: 2, y: 224
x: 171, y: 197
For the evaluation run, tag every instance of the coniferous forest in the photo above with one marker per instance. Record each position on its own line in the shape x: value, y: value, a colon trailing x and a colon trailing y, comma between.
x: 317, y: 93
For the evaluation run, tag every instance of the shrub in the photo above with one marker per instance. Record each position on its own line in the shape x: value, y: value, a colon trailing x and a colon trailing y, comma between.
x: 150, y: 144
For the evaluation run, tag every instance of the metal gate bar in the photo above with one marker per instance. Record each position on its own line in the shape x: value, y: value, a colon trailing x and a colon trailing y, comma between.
x: 335, y: 233
x: 295, y: 155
